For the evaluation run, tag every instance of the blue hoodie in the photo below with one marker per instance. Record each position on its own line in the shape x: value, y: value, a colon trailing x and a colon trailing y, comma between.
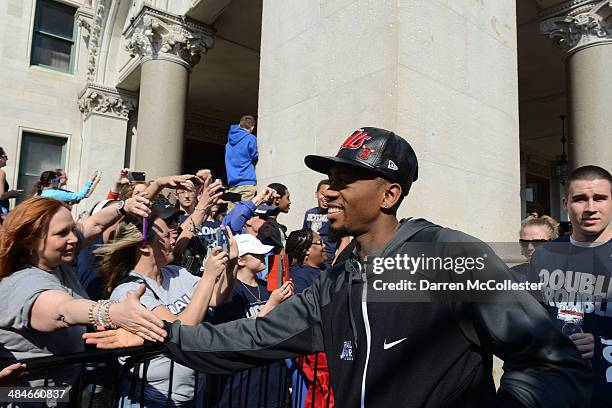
x: 240, y: 157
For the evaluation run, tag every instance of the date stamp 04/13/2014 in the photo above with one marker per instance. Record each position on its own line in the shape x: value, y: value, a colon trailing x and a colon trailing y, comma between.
x: 34, y: 394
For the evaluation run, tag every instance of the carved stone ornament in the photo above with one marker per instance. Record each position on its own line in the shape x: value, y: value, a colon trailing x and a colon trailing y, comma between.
x: 578, y: 24
x: 107, y: 101
x: 154, y: 34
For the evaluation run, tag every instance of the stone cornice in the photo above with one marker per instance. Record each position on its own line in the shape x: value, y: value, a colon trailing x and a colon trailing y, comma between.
x: 106, y: 101
x: 154, y: 34
x: 578, y: 24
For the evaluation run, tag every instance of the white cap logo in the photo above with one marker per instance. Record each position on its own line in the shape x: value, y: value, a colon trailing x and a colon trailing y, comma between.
x: 392, y: 165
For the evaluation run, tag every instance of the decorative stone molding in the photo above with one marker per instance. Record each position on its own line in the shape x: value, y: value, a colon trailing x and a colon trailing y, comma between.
x: 106, y: 101
x: 94, y: 32
x: 578, y: 24
x: 154, y: 34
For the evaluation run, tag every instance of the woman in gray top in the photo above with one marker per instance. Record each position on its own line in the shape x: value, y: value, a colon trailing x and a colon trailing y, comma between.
x: 141, y: 253
x: 45, y: 308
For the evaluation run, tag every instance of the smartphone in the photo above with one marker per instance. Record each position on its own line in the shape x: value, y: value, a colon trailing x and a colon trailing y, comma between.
x: 222, y: 188
x: 136, y: 176
x: 222, y: 240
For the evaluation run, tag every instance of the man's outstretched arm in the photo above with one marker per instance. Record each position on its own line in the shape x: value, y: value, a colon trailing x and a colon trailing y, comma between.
x: 291, y: 329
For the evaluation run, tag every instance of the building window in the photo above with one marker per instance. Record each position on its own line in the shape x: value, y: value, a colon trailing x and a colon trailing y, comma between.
x: 38, y: 153
x: 53, y: 39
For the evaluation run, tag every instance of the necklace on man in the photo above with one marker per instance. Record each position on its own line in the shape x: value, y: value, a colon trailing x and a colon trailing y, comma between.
x: 258, y: 298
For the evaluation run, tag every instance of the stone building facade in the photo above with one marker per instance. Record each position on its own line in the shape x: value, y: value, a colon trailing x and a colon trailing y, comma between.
x: 477, y: 87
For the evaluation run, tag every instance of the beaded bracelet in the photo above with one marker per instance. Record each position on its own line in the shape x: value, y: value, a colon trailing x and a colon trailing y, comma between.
x: 90, y: 314
x: 101, y: 304
x: 107, y: 306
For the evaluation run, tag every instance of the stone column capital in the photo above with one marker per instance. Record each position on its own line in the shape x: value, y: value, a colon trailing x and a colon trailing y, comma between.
x: 154, y: 34
x: 577, y: 24
x: 106, y: 101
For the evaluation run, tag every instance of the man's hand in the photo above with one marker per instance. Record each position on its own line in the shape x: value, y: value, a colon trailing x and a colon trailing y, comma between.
x: 137, y: 206
x: 11, y: 374
x: 585, y: 343
x: 113, y: 339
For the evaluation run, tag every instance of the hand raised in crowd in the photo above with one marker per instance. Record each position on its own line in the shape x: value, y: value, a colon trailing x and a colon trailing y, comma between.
x: 137, y: 206
x: 585, y: 343
x: 216, y: 263
x: 281, y: 294
x: 176, y: 182
x: 265, y: 196
x: 10, y: 375
x: 233, y: 245
x: 122, y: 178
x: 132, y: 316
x: 277, y: 297
x: 202, y: 176
x: 113, y: 339
x: 210, y: 195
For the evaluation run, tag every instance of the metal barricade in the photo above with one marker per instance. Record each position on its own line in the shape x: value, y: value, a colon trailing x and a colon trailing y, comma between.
x: 102, y: 376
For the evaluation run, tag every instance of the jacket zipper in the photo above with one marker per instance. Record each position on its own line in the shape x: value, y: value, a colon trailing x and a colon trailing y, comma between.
x: 366, y: 323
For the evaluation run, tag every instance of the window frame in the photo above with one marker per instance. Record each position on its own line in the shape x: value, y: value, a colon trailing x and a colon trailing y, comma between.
x: 24, y: 132
x: 36, y: 31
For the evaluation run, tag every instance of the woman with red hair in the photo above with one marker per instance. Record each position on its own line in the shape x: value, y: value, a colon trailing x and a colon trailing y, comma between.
x: 45, y: 309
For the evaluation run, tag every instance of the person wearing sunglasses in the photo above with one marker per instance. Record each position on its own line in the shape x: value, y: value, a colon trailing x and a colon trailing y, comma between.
x: 535, y: 230
x: 5, y: 192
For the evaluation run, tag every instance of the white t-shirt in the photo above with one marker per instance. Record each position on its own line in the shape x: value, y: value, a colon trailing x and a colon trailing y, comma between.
x: 175, y: 292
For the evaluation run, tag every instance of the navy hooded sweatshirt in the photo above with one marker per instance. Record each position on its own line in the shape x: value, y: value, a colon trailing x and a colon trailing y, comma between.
x: 240, y: 157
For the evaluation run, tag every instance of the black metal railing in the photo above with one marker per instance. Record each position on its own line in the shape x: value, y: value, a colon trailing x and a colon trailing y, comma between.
x: 101, y: 377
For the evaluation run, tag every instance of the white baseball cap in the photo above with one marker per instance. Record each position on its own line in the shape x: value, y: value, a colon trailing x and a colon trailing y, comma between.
x: 248, y: 244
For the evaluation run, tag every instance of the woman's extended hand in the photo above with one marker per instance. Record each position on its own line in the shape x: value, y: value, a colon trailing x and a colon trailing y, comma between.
x: 134, y: 317
x: 113, y: 339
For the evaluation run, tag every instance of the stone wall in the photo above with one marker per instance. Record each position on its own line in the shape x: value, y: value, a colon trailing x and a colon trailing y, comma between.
x: 441, y: 74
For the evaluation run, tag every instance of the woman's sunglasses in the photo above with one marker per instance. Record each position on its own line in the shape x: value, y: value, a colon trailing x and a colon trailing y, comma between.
x: 535, y: 242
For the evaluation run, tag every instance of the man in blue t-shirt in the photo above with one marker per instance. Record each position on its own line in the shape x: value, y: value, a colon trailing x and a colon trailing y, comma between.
x: 316, y: 220
x: 576, y: 272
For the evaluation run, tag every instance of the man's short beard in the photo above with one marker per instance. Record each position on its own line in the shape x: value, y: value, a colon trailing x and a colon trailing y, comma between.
x: 337, y: 234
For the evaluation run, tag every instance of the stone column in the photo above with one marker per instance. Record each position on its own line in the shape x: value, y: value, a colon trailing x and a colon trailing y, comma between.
x: 168, y: 47
x: 584, y: 29
x: 105, y: 117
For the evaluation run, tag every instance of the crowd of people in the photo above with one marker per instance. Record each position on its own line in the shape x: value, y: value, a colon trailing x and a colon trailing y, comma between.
x: 209, y: 272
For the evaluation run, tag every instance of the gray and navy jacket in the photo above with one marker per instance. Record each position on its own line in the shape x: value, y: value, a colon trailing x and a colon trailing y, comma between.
x: 389, y: 354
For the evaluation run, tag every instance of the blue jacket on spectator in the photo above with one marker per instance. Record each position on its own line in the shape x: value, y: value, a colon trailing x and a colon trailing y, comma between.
x: 65, y: 195
x: 240, y: 157
x: 240, y: 214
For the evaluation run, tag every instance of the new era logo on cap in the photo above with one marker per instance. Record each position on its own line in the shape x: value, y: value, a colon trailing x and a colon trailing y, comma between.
x: 392, y: 165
